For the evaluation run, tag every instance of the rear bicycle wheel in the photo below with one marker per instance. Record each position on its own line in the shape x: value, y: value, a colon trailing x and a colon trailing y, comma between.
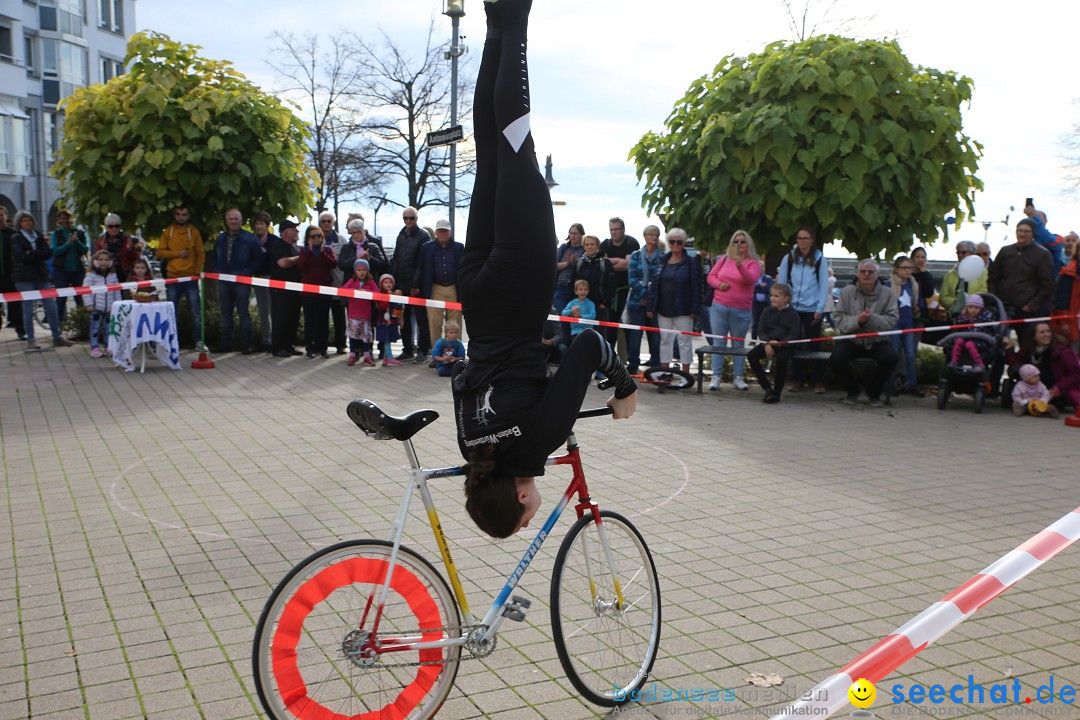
x: 670, y: 378
x: 306, y: 658
x: 607, y: 651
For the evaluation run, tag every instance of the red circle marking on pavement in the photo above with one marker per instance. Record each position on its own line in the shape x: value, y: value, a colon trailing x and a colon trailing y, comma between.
x: 291, y: 685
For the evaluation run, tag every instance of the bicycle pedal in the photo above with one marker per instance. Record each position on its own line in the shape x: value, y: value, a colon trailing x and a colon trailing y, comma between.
x: 516, y: 608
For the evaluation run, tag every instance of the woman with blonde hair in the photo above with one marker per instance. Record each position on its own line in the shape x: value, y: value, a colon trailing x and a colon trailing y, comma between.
x: 732, y: 279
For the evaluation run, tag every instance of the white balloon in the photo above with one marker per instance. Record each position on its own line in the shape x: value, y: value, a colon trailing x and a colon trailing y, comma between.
x: 970, y: 268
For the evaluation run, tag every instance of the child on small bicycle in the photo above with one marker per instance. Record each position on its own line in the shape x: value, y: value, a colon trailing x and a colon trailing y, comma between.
x: 448, y: 350
x: 511, y: 412
x: 579, y: 307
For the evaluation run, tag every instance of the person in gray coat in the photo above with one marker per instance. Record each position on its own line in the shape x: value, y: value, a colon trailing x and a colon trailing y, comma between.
x: 866, y: 306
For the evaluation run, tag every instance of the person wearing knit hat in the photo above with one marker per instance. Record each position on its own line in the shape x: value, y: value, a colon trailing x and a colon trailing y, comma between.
x: 975, y: 312
x: 361, y: 312
x: 1030, y: 396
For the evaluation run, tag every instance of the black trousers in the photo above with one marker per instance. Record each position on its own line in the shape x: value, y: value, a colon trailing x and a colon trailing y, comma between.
x: 781, y: 356
x: 415, y: 316
x: 316, y: 322
x: 883, y: 355
x: 506, y: 278
x: 810, y: 329
x: 337, y: 313
x: 284, y: 319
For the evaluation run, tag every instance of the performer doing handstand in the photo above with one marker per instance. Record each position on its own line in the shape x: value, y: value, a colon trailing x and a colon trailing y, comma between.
x: 511, y: 413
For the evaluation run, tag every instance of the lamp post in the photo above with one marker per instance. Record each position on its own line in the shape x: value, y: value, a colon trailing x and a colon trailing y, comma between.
x: 455, y: 10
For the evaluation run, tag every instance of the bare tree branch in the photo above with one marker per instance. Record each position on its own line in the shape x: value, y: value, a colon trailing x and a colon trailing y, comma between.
x: 321, y: 78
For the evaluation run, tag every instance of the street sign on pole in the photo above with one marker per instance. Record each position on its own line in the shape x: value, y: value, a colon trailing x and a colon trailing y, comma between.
x: 449, y: 136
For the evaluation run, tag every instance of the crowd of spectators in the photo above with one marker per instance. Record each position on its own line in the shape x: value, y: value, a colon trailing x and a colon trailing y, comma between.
x: 663, y: 282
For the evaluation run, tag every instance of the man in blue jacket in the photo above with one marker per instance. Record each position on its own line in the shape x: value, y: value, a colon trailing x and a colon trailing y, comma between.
x: 436, y: 276
x: 238, y: 253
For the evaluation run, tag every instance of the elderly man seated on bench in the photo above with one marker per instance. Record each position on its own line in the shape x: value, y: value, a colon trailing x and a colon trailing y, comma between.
x: 866, y: 306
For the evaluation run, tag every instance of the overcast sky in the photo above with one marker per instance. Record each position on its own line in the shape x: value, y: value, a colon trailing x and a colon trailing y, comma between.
x: 604, y: 72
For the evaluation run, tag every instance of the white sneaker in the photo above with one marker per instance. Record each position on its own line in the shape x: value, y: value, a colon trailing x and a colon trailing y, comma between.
x: 714, y: 384
x: 740, y: 384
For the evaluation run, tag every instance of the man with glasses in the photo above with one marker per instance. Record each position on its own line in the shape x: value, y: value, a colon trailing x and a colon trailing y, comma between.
x: 405, y: 267
x: 618, y: 248
x: 865, y: 306
x: 1022, y: 275
x: 954, y: 289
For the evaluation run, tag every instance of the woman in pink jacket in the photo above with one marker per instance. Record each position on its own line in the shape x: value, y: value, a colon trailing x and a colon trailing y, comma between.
x: 732, y: 279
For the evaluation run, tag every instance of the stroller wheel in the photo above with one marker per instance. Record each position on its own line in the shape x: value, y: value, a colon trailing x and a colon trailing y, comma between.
x: 942, y: 395
x: 1006, y: 393
x: 980, y: 398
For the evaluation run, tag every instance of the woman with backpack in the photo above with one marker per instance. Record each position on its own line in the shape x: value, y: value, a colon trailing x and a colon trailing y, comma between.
x: 806, y: 272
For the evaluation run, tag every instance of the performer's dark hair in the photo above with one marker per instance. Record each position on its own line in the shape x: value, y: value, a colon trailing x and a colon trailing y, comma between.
x: 490, y: 496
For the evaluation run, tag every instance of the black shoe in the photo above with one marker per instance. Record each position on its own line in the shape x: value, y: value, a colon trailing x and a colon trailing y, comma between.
x: 850, y: 399
x: 341, y: 351
x: 311, y: 356
x: 283, y: 354
x: 875, y: 402
x: 405, y: 356
x: 771, y: 398
x: 324, y: 356
x: 295, y: 353
x: 421, y: 358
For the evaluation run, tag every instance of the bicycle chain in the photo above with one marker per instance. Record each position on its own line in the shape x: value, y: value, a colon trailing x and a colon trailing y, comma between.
x: 474, y: 654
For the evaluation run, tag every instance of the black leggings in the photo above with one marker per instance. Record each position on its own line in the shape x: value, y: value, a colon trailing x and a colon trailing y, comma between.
x: 507, y: 274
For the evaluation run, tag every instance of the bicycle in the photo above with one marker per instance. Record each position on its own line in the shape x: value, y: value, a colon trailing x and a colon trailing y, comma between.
x: 371, y: 629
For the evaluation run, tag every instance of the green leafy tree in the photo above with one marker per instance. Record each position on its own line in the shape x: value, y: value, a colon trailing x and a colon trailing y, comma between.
x: 843, y: 135
x: 180, y: 128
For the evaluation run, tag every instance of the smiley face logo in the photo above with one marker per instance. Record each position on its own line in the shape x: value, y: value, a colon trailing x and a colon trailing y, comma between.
x: 862, y: 693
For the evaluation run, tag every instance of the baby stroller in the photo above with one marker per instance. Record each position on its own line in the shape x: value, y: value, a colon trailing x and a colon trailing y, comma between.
x: 972, y: 379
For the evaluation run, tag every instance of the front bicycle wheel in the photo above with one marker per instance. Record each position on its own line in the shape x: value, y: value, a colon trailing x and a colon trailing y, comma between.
x: 671, y: 378
x: 307, y: 657
x: 606, y: 649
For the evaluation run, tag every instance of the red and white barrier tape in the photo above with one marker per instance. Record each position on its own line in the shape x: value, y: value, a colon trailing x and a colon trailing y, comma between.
x: 931, y: 624
x: 422, y: 302
x: 82, y: 290
x: 312, y: 289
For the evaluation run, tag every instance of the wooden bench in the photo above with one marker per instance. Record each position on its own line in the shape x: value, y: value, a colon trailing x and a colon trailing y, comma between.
x: 809, y: 355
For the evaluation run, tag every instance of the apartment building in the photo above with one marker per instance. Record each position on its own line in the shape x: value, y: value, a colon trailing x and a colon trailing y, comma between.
x: 48, y: 49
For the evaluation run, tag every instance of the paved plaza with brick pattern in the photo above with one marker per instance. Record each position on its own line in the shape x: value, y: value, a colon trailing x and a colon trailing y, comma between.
x: 148, y: 517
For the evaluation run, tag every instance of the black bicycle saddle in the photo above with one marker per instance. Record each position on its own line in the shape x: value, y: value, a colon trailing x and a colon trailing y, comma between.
x: 377, y: 424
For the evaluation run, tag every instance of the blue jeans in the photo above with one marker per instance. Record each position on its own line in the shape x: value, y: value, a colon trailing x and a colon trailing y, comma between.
x: 190, y: 290
x: 234, y: 295
x: 908, y: 344
x: 99, y: 321
x: 28, y: 309
x: 636, y: 316
x: 563, y: 295
x: 63, y: 279
x: 729, y: 321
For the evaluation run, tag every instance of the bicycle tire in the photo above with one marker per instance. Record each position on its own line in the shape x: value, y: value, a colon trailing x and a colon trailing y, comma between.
x: 299, y: 661
x: 670, y: 378
x: 592, y: 638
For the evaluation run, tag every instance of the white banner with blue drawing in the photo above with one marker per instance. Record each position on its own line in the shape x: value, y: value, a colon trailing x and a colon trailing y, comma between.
x: 133, y: 323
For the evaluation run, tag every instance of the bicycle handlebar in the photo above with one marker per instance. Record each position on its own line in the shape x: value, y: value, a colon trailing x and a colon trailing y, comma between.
x: 595, y: 412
